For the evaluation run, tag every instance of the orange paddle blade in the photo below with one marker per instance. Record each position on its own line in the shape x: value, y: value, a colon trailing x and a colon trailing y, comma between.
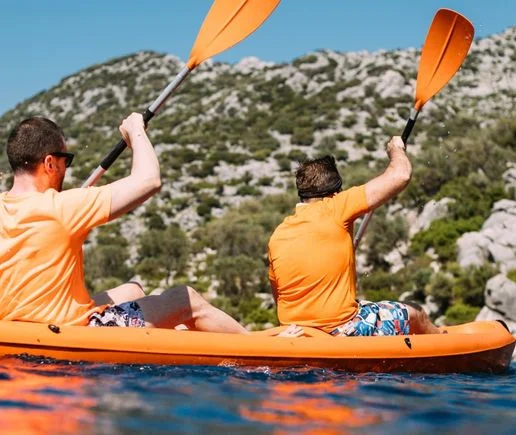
x: 227, y: 23
x: 446, y: 46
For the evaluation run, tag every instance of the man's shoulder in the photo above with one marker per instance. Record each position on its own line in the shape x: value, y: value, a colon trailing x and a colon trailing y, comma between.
x: 78, y: 192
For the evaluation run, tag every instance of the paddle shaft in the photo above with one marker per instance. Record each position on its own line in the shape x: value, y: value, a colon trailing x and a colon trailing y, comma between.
x: 149, y: 113
x: 404, y: 136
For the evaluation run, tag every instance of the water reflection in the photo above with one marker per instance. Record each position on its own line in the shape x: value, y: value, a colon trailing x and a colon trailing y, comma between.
x: 308, y: 407
x: 43, y: 398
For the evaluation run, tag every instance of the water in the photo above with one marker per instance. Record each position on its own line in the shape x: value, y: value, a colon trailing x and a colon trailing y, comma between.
x: 44, y: 396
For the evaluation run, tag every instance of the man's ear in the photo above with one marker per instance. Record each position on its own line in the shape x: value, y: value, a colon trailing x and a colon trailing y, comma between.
x: 50, y: 164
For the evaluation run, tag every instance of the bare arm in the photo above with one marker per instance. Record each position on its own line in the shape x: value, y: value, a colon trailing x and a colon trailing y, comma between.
x: 394, y: 179
x: 144, y: 179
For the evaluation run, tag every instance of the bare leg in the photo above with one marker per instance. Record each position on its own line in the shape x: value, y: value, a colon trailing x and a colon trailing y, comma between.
x: 419, y: 321
x: 183, y: 305
x: 130, y: 291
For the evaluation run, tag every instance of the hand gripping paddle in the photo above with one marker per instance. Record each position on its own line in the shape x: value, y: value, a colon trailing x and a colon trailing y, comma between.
x: 446, y: 46
x: 227, y: 23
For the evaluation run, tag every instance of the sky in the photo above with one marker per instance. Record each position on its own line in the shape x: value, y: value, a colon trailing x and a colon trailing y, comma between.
x: 42, y: 41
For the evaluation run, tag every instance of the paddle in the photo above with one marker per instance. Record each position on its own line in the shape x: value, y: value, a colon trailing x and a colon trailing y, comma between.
x: 227, y: 23
x: 446, y: 45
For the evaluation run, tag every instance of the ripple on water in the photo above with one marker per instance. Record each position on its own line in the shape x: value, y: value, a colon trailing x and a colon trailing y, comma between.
x: 79, y: 397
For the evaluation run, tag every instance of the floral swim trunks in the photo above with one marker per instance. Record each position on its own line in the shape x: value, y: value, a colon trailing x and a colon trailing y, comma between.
x: 377, y: 318
x: 125, y: 314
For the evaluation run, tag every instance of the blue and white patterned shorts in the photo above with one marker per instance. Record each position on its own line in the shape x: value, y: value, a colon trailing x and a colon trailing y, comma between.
x: 127, y: 314
x: 377, y: 318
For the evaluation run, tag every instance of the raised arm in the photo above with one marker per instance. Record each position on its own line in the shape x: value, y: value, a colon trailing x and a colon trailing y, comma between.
x: 394, y: 179
x: 144, y: 179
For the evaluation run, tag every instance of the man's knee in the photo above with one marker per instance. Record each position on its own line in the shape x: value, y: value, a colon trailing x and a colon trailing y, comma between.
x: 415, y: 313
x: 413, y: 305
x: 186, y: 296
x: 197, y: 302
x: 135, y: 290
x: 419, y: 321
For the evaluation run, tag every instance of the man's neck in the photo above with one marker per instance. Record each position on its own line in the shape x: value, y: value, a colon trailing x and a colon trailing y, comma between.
x: 310, y: 200
x: 27, y: 183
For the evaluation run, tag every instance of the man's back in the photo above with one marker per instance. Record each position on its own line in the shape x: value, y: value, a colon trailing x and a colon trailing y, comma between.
x: 41, y: 236
x: 312, y: 264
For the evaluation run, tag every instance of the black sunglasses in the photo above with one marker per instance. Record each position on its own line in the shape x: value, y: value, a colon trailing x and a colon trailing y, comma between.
x: 68, y: 156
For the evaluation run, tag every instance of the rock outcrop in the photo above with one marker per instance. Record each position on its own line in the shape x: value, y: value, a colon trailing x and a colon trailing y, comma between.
x: 495, y: 242
x: 500, y: 302
x: 433, y: 210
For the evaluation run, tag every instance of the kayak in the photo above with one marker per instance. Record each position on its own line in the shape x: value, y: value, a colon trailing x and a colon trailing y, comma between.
x: 472, y: 347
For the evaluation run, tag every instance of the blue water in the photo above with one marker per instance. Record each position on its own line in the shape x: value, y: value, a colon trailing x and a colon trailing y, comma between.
x: 44, y: 396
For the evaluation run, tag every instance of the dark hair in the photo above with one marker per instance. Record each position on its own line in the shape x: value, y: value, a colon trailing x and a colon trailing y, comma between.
x: 32, y: 140
x: 318, y: 178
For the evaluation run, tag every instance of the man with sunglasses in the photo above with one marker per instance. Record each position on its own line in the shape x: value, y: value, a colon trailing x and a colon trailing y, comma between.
x: 42, y: 229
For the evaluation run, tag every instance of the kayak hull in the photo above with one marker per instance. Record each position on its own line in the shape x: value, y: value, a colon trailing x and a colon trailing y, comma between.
x: 472, y: 347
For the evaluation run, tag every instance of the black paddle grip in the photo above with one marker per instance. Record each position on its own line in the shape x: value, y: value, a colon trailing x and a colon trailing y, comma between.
x: 408, y: 129
x: 147, y: 116
x: 113, y: 155
x: 121, y: 146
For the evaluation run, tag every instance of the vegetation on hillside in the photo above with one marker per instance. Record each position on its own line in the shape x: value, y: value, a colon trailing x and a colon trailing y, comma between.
x: 228, y: 144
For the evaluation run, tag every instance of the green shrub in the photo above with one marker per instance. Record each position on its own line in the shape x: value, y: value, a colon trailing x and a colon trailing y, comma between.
x: 382, y: 236
x: 105, y: 262
x: 284, y: 163
x: 442, y: 235
x: 461, y: 313
x: 327, y: 145
x: 349, y: 121
x: 341, y: 155
x: 246, y: 310
x: 372, y: 122
x: 475, y: 196
x: 302, y: 136
x: 265, y: 181
x: 297, y: 155
x: 470, y: 284
x: 283, y: 125
x: 379, y: 285
x: 162, y: 252
x: 247, y: 189
x: 239, y: 275
x: 310, y: 58
x: 440, y: 287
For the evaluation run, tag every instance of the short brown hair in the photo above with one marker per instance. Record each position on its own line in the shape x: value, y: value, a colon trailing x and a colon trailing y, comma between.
x: 31, y: 140
x: 318, y: 178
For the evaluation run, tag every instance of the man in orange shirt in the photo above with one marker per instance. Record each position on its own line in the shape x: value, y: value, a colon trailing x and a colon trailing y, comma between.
x: 42, y: 230
x: 312, y: 259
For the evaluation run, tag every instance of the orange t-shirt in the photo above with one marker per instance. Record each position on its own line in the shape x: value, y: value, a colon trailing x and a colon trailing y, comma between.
x: 41, y: 262
x: 312, y: 261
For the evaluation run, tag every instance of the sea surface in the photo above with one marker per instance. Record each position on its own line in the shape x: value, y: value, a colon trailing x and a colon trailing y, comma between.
x: 46, y: 396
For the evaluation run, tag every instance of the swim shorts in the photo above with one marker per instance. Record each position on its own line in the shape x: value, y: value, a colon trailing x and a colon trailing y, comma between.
x: 125, y: 314
x: 377, y: 318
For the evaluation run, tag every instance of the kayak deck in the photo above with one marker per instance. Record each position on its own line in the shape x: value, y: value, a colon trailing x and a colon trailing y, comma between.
x: 472, y: 347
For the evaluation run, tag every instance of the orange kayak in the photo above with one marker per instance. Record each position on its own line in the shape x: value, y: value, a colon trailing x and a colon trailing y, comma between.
x: 472, y: 347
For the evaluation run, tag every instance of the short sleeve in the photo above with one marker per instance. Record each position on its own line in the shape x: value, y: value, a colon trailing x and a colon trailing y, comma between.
x: 81, y: 210
x: 350, y: 204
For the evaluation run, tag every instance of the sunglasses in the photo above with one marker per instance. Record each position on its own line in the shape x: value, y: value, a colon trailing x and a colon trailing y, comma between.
x: 68, y: 156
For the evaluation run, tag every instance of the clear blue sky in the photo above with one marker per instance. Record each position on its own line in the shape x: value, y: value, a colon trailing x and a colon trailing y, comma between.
x: 42, y: 41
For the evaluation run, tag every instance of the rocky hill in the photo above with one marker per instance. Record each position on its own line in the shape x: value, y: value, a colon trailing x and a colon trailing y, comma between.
x: 233, y: 133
